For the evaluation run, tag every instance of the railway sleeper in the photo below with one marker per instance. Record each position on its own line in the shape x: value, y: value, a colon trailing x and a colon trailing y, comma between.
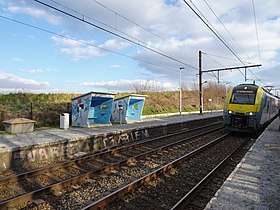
x: 38, y: 201
x: 17, y: 189
x: 170, y: 195
x: 150, y: 201
x: 132, y: 207
x: 76, y: 187
x: 195, y: 204
x: 55, y: 178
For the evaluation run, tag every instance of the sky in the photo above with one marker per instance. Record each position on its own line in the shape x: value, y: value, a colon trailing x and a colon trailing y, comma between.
x: 71, y: 46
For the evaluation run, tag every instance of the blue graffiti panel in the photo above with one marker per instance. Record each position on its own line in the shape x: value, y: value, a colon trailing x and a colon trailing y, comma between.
x: 134, y: 110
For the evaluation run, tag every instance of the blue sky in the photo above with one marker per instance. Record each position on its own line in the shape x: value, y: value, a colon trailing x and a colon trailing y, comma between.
x: 51, y: 52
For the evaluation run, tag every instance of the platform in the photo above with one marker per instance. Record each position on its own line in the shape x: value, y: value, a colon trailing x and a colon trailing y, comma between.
x: 255, y: 182
x: 59, y: 144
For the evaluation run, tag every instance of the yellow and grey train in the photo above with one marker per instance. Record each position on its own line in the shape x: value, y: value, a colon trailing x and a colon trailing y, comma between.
x: 249, y: 107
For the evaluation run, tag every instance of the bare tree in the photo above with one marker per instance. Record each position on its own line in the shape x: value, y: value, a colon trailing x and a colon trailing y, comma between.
x: 147, y: 85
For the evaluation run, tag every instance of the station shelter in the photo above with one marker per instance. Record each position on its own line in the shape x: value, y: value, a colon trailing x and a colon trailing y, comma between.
x: 128, y: 109
x: 92, y: 109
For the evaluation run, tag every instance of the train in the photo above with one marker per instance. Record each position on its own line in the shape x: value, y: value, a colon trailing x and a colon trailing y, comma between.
x: 249, y: 107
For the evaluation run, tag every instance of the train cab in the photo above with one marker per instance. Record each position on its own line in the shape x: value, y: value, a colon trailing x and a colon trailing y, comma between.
x: 248, y: 107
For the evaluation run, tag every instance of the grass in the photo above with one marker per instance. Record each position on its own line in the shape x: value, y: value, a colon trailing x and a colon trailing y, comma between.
x: 46, y: 108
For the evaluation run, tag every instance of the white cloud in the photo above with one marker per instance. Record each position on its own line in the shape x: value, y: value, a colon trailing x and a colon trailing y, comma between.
x: 86, y: 48
x: 124, y: 85
x: 37, y: 70
x: 18, y: 59
x: 180, y: 34
x: 81, y: 52
x: 36, y: 12
x: 77, y: 49
x: 15, y: 82
x: 71, y: 81
x: 115, y: 66
x: 114, y: 44
x: 33, y: 71
x: 272, y: 72
x: 68, y: 42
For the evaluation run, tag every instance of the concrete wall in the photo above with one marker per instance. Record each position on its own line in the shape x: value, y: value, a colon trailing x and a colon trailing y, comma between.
x: 65, y: 149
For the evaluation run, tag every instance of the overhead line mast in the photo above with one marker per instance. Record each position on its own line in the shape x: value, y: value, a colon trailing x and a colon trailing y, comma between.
x: 216, y: 70
x: 232, y: 68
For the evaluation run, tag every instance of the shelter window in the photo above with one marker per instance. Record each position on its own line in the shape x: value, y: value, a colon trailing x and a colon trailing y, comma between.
x: 101, y: 102
x: 80, y: 106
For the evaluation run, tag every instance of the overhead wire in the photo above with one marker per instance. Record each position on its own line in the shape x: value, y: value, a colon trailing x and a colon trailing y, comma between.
x: 99, y: 22
x: 213, y: 31
x: 133, y: 22
x: 206, y: 20
x: 213, y: 60
x: 254, y: 12
x: 209, y: 23
x: 207, y: 55
x: 95, y: 20
x: 219, y: 56
x: 233, y: 37
x: 217, y: 35
x: 210, y: 8
x: 256, y: 28
x: 221, y: 39
x: 113, y: 33
x: 84, y: 42
x: 159, y: 37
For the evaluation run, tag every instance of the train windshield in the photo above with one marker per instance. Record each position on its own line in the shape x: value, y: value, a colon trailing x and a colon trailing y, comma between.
x: 243, y: 96
x: 238, y: 98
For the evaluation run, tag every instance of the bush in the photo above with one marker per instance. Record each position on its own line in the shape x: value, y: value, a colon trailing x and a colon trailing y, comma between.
x: 46, y: 108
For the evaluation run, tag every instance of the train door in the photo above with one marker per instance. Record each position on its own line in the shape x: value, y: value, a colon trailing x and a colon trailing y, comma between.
x: 268, y: 109
x: 264, y: 109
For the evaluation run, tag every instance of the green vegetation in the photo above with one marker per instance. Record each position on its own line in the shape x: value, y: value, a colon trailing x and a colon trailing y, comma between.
x: 46, y: 108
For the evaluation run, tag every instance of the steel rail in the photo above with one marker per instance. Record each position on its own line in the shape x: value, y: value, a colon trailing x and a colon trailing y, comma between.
x: 130, y: 187
x: 182, y: 203
x: 76, y: 161
x: 75, y: 180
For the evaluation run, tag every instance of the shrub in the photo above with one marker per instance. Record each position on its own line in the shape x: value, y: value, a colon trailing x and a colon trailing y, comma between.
x: 46, y: 108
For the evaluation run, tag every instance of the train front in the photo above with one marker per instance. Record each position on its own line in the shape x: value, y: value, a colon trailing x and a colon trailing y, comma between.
x: 242, y: 108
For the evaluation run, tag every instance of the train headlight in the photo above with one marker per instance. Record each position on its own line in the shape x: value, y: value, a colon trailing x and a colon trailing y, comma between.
x: 230, y: 112
x: 251, y: 113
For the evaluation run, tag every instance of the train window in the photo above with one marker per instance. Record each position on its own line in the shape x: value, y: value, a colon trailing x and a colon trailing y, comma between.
x: 267, y: 107
x: 241, y: 98
x: 265, y: 100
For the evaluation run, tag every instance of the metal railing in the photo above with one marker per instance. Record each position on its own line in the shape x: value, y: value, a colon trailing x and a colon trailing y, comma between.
x: 45, y: 114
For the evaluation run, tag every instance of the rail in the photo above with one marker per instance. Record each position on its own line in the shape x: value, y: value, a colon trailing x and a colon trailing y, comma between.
x: 83, y: 174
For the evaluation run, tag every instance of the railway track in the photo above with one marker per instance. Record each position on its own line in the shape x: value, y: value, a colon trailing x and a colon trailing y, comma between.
x: 183, y: 183
x: 170, y: 128
x: 76, y: 183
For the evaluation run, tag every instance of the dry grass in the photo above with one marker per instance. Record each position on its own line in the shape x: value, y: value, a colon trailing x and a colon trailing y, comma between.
x: 46, y: 108
x: 165, y: 102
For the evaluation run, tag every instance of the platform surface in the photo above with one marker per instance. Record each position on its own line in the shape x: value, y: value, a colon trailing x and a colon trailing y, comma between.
x: 10, y: 142
x: 255, y: 182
